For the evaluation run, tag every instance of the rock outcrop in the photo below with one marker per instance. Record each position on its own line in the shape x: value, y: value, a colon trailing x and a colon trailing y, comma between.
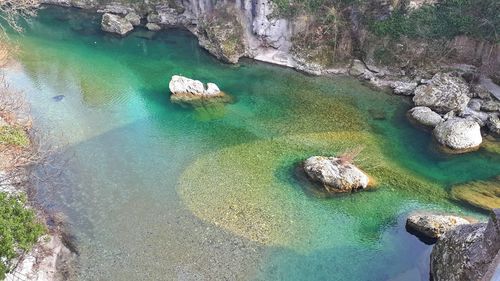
x: 49, y: 260
x: 468, y: 252
x: 116, y: 24
x: 425, y: 116
x: 335, y: 175
x: 443, y: 94
x: 403, y: 88
x: 133, y: 18
x: 221, y: 33
x: 188, y: 91
x: 458, y: 134
x: 493, y: 124
x: 431, y: 225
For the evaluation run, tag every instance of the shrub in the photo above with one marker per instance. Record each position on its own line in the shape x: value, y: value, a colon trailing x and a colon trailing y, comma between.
x: 13, y: 135
x: 447, y: 19
x: 19, y: 229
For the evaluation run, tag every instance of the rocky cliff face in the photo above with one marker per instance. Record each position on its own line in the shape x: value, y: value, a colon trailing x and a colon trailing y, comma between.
x: 320, y: 44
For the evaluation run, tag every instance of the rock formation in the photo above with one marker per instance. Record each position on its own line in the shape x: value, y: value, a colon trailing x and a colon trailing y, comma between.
x: 335, y: 175
x: 458, y: 134
x: 468, y: 252
x: 432, y: 225
x: 188, y: 91
x: 425, y: 116
x: 443, y: 94
x: 116, y: 24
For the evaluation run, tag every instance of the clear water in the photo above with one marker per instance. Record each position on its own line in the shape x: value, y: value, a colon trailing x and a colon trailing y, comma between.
x: 154, y: 191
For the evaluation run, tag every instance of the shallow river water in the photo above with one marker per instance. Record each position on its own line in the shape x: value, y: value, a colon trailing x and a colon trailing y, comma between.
x: 155, y: 191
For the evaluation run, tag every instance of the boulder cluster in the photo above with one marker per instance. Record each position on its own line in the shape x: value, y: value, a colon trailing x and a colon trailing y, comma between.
x: 454, y: 105
x: 453, y: 109
x: 121, y: 19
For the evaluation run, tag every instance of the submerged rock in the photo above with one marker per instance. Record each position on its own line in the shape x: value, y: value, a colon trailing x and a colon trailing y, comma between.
x: 335, y: 175
x: 467, y: 252
x: 444, y: 93
x: 425, y: 116
x: 58, y: 98
x: 458, y: 134
x: 431, y: 225
x: 115, y: 24
x: 483, y: 194
x: 153, y: 26
x: 186, y: 90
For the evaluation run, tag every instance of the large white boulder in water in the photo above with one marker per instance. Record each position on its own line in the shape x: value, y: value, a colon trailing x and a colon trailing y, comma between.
x: 431, y: 225
x: 459, y: 134
x: 186, y: 90
x: 115, y: 24
x: 443, y: 94
x: 335, y: 175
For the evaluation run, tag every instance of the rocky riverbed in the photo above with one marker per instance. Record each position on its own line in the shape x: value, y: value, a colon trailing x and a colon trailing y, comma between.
x: 235, y: 171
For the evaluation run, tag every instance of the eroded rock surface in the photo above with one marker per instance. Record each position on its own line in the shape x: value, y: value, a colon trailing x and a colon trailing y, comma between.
x: 425, y: 116
x: 467, y: 252
x: 115, y: 24
x: 444, y: 93
x: 403, y: 88
x: 335, y: 175
x: 431, y: 225
x: 186, y: 90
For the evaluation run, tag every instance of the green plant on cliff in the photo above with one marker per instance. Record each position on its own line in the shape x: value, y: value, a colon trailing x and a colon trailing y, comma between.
x: 447, y: 19
x: 19, y: 230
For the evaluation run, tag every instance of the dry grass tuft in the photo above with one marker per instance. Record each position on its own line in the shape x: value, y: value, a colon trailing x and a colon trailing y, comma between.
x: 348, y: 156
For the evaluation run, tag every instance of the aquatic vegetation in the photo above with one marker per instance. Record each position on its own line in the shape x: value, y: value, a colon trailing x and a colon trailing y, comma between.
x: 245, y: 189
x: 481, y: 194
x: 157, y: 189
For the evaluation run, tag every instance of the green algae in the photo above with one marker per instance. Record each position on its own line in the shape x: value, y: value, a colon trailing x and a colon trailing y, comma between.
x: 481, y: 194
x: 243, y: 189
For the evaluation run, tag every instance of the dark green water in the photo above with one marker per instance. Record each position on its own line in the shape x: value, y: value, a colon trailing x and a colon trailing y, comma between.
x: 154, y: 191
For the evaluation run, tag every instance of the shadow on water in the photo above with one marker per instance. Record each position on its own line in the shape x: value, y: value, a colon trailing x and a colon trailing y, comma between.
x: 325, y: 264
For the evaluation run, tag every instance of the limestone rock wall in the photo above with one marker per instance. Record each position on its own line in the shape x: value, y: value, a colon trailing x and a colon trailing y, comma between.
x: 231, y: 29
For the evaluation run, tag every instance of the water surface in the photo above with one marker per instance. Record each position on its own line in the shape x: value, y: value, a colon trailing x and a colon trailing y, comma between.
x: 155, y: 191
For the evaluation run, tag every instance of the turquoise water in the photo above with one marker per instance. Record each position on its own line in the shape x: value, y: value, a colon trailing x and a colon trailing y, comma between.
x: 155, y: 191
